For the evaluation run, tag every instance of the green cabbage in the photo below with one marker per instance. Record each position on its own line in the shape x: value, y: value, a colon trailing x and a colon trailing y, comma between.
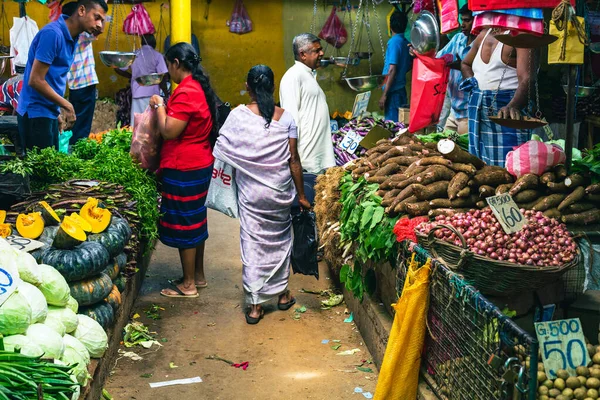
x: 21, y: 342
x: 79, y: 371
x: 90, y: 333
x: 73, y: 305
x: 45, y: 337
x: 8, y: 255
x: 29, y: 270
x: 15, y: 315
x: 36, y: 300
x: 54, y: 286
x: 56, y: 324
x: 71, y: 342
x: 65, y: 315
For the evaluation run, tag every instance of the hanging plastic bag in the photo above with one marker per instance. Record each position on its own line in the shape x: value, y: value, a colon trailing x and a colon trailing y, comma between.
x: 222, y: 192
x: 334, y: 32
x: 429, y: 83
x: 63, y: 141
x: 146, y: 140
x: 240, y: 21
x: 55, y: 7
x: 574, y: 47
x: 399, y: 373
x: 21, y: 35
x: 306, y: 243
x: 534, y: 157
x: 138, y: 22
x: 449, y: 15
x: 491, y: 5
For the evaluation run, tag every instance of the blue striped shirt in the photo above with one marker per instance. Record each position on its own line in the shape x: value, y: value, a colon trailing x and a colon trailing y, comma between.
x: 458, y: 99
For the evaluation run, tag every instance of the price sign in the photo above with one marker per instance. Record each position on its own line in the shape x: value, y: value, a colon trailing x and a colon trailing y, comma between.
x: 350, y: 142
x: 9, y: 280
x: 507, y: 212
x: 361, y: 102
x: 23, y: 244
x: 563, y: 346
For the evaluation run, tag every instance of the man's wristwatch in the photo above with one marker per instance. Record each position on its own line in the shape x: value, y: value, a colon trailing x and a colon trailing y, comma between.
x: 159, y: 105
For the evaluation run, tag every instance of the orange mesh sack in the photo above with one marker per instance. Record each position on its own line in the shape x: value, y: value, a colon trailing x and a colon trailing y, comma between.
x: 399, y: 374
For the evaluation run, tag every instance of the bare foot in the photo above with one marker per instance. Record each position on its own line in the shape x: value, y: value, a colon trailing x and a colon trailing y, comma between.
x: 256, y: 311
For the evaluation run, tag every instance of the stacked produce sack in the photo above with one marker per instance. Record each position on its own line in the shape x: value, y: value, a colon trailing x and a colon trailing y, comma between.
x: 87, y: 249
x: 39, y: 319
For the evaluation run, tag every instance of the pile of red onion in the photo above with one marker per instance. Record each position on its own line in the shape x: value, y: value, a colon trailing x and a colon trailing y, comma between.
x: 542, y: 242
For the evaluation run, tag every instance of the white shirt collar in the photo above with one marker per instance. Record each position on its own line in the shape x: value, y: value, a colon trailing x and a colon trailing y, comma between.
x: 304, y: 67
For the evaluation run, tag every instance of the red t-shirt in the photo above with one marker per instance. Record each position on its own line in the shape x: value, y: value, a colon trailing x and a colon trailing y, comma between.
x: 191, y: 150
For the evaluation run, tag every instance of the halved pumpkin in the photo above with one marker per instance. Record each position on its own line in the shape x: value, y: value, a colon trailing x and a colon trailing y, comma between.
x: 2, y: 216
x: 69, y: 235
x: 83, y: 224
x: 30, y: 225
x: 48, y: 214
x: 98, y: 217
x: 5, y: 230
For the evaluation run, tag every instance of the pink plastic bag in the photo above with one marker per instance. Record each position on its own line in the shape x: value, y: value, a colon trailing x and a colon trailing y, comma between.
x: 449, y: 15
x: 429, y: 83
x: 333, y: 31
x: 146, y: 141
x: 138, y: 22
x: 240, y: 21
x: 534, y: 157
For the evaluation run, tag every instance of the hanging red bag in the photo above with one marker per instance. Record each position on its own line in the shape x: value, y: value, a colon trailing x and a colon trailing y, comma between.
x: 491, y: 5
x: 138, y: 22
x: 146, y: 140
x: 240, y: 21
x: 428, y: 90
x: 334, y: 31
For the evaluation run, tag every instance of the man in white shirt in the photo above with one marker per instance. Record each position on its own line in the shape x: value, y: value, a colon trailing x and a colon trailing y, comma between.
x: 301, y: 95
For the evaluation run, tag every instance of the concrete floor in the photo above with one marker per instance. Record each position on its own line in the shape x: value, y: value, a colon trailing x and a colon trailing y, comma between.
x: 287, y: 358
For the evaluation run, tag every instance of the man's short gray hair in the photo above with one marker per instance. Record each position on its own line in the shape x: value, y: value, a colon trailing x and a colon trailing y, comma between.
x: 302, y: 41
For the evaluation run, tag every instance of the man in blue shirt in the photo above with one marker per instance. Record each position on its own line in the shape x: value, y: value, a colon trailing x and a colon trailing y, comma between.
x: 45, y: 80
x: 459, y: 46
x: 398, y: 62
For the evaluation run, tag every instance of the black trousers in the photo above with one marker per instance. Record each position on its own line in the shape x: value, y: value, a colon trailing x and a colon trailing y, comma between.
x: 37, y: 132
x: 84, y: 103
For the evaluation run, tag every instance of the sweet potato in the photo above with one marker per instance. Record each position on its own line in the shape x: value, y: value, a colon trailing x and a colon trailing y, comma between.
x: 504, y: 188
x: 594, y: 188
x: 579, y: 208
x: 465, y: 192
x: 526, y: 196
x: 492, y: 178
x: 558, y: 187
x: 458, y: 183
x: 434, y: 161
x: 400, y: 160
x: 468, y: 169
x: 547, y: 202
x: 553, y: 213
x: 376, y: 179
x: 584, y: 218
x: 389, y: 197
x: 388, y: 170
x: 391, y: 181
x: 486, y: 191
x: 574, y: 180
x: 448, y: 212
x: 560, y: 171
x: 527, y: 181
x: 454, y: 153
x: 432, y: 191
x: 547, y: 177
x: 417, y: 209
x: 572, y: 198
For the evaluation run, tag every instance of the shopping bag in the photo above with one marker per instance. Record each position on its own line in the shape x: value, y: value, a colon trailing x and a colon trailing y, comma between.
x: 306, y: 244
x: 146, y: 140
x: 334, y: 32
x: 534, y: 157
x: 222, y: 193
x: 449, y: 15
x: 399, y: 373
x: 21, y: 35
x: 138, y: 22
x: 63, y: 141
x: 574, y: 47
x: 240, y: 21
x: 491, y: 5
x: 429, y: 83
x: 55, y: 7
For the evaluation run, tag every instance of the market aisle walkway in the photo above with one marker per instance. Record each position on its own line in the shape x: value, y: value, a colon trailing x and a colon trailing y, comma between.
x: 286, y: 356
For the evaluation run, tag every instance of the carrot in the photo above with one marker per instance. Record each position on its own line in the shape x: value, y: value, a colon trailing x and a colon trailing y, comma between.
x: 584, y: 218
x: 417, y: 209
x: 468, y: 169
x: 547, y: 177
x: 526, y: 196
x: 504, y: 188
x: 458, y: 183
x: 572, y: 198
x: 432, y: 191
x: 560, y: 171
x: 400, y: 160
x: 388, y: 170
x: 575, y: 180
x: 486, y: 191
x: 454, y: 153
x: 594, y: 188
x: 466, y: 192
x: 548, y: 202
x: 553, y: 213
x: 435, y: 161
x: 527, y: 181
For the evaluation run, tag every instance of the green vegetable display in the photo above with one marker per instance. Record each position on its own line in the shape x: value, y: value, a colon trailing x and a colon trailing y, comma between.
x: 48, y: 339
x: 90, y: 333
x: 54, y: 286
x: 36, y: 300
x: 15, y: 315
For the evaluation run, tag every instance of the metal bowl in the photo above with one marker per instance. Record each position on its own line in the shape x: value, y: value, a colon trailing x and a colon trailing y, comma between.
x: 346, y: 61
x: 4, y: 61
x: 325, y: 62
x: 117, y: 59
x: 149, y: 80
x: 580, y: 91
x: 365, y: 83
x: 425, y: 34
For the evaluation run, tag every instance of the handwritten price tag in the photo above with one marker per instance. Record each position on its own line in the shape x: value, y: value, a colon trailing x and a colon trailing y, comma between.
x: 9, y: 280
x: 350, y: 142
x: 507, y: 212
x: 24, y: 244
x: 563, y: 346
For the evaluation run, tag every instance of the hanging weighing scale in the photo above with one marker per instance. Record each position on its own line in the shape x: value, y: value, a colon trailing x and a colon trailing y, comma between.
x: 116, y: 58
x: 154, y: 79
x: 369, y: 82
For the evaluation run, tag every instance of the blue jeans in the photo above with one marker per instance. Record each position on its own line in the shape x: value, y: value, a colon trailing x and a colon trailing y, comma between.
x: 394, y: 101
x: 84, y: 103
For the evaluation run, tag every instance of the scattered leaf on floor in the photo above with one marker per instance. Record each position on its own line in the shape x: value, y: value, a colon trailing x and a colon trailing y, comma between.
x: 348, y: 352
x: 336, y: 346
x: 333, y: 300
x: 301, y: 309
x: 211, y: 324
x: 164, y: 340
x: 172, y: 365
x: 146, y: 376
x: 136, y: 316
x: 364, y: 369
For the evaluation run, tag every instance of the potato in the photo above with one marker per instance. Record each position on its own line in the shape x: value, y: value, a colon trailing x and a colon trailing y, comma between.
x: 595, y: 373
x: 573, y: 382
x: 548, y: 383
x: 543, y: 390
x: 596, y: 358
x: 559, y: 383
x: 591, y: 349
x: 582, y: 379
x: 543, y: 397
x: 541, y: 376
x: 568, y: 393
x: 580, y: 393
x: 593, y: 383
x: 592, y: 393
x: 583, y: 371
x: 562, y: 397
x: 554, y: 393
x: 540, y: 366
x: 562, y: 374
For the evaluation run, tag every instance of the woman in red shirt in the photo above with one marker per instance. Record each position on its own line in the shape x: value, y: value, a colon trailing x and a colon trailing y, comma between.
x: 188, y: 128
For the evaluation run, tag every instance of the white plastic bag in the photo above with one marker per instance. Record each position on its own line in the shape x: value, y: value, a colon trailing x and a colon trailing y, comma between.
x: 21, y: 35
x: 222, y: 193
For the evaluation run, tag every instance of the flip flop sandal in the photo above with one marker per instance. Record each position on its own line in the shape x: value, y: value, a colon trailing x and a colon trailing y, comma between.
x: 180, y: 294
x: 253, y: 321
x: 180, y: 281
x: 286, y: 306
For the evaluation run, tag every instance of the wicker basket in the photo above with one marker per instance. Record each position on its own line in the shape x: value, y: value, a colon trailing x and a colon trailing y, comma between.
x: 491, y: 277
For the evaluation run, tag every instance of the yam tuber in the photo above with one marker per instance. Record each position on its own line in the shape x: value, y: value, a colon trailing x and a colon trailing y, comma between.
x: 418, y: 208
x: 458, y: 183
x: 584, y: 218
x: 376, y: 179
x: 574, y: 180
x: 492, y: 178
x: 440, y: 203
x: 434, y: 161
x: 468, y: 169
x: 526, y: 196
x: 401, y: 206
x: 400, y: 160
x: 481, y: 204
x: 527, y: 181
x: 438, y: 173
x: 594, y: 188
x: 547, y: 177
x: 389, y: 197
x: 454, y: 153
x: 388, y: 170
x: 448, y: 212
x: 391, y: 181
x: 593, y: 198
x: 579, y: 208
x: 486, y: 191
x: 381, y: 148
x: 547, y: 202
x: 466, y: 192
x: 558, y: 187
x: 560, y: 171
x: 414, y: 169
x: 572, y: 198
x: 553, y: 213
x: 432, y: 191
x: 504, y: 188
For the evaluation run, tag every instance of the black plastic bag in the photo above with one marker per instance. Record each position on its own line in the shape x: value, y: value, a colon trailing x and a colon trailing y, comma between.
x: 306, y: 244
x: 14, y: 188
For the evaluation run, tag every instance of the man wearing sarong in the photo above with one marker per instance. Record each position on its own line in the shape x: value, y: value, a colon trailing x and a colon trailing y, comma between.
x: 498, y: 78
